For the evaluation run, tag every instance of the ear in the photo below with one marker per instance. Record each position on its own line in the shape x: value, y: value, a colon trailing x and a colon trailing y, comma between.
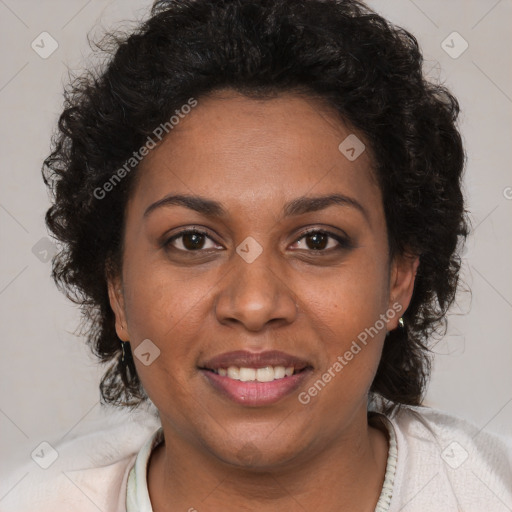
x: 401, y: 285
x: 116, y: 298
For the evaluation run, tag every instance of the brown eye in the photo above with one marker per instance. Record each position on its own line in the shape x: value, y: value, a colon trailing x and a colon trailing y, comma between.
x: 317, y: 241
x: 193, y: 241
x: 189, y: 240
x: 322, y: 241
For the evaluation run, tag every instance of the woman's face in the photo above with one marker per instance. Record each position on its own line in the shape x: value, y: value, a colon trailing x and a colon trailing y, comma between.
x: 257, y: 283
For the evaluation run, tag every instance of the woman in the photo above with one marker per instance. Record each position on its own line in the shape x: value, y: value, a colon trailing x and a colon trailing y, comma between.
x: 261, y: 211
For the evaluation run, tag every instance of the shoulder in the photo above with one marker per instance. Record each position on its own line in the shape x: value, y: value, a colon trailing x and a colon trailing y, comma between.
x: 454, y: 439
x: 83, y: 473
x: 449, y: 463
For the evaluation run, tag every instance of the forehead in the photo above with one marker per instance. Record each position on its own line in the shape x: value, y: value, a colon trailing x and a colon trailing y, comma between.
x: 244, y: 151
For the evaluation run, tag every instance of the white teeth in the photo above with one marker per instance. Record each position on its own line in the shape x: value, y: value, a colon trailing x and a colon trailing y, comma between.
x: 247, y: 374
x: 266, y: 374
x: 279, y: 372
x: 234, y: 372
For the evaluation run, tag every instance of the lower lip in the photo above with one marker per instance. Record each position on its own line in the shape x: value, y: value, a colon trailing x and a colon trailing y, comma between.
x: 254, y: 393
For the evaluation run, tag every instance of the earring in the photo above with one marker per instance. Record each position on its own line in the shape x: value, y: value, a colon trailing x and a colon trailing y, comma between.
x: 124, y: 354
x: 401, y: 322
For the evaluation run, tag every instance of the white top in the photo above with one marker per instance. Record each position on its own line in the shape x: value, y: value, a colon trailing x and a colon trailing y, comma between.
x: 137, y: 497
x: 441, y: 464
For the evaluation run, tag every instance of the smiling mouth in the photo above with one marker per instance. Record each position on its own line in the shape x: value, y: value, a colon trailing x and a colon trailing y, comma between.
x: 263, y: 374
x: 255, y: 379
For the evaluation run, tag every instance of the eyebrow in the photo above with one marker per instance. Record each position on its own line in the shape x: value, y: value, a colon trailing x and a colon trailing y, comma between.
x: 298, y: 206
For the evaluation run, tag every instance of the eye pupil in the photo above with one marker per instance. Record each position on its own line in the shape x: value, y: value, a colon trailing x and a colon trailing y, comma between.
x: 318, y: 239
x: 195, y: 243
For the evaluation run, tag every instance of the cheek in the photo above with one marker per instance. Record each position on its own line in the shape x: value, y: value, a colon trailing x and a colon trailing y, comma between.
x: 347, y: 299
x: 169, y: 307
x: 163, y: 312
x: 161, y: 301
x: 345, y: 310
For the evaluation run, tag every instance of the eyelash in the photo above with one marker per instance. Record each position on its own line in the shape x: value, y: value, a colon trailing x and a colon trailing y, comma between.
x: 344, y: 242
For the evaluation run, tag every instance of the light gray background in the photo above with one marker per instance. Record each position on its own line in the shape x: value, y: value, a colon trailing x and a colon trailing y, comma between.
x: 49, y: 380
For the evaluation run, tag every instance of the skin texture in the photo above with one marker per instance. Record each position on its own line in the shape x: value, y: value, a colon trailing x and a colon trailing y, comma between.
x: 253, y: 156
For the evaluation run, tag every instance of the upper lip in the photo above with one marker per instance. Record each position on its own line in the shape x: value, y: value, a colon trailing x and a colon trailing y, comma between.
x: 246, y: 359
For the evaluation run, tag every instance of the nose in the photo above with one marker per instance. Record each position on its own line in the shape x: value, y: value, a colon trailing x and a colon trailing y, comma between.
x: 255, y: 295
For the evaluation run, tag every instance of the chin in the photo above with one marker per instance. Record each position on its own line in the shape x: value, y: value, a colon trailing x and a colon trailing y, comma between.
x: 258, y: 453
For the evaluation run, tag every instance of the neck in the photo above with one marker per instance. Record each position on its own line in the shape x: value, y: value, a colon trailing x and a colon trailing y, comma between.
x: 346, y: 474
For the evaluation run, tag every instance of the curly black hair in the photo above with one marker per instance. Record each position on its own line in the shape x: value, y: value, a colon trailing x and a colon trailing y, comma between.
x: 364, y: 68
